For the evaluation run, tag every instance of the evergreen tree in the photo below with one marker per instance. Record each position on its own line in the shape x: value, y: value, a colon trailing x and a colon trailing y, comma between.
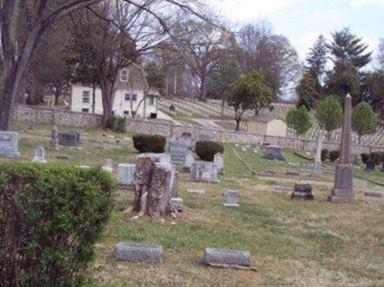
x: 308, y: 91
x: 364, y: 120
x: 347, y: 47
x: 330, y: 114
x: 317, y: 59
x: 300, y: 120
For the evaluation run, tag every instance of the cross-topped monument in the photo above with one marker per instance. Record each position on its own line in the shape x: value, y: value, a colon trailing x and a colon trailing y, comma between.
x: 343, y: 189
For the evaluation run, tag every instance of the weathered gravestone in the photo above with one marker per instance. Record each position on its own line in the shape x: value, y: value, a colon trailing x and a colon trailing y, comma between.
x: 175, y: 183
x: 273, y: 153
x: 371, y: 165
x: 40, y: 155
x: 218, y: 159
x: 9, y: 145
x: 231, y: 198
x: 153, y: 186
x: 302, y: 191
x: 189, y: 160
x: 178, y: 150
x: 197, y: 192
x: 125, y: 174
x: 226, y: 258
x: 186, y: 138
x: 69, y: 139
x: 204, y: 171
x: 373, y: 193
x: 134, y: 252
x: 203, y: 137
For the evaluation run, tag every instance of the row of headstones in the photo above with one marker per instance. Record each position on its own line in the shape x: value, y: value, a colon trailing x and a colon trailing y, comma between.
x: 9, y: 144
x: 137, y: 253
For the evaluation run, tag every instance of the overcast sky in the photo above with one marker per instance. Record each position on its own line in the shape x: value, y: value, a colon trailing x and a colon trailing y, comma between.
x: 303, y: 20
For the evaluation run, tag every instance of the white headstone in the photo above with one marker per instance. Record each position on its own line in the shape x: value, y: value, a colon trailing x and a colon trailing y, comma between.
x: 40, y: 155
x: 108, y: 166
x: 189, y: 160
x: 125, y: 174
x: 9, y: 145
x: 231, y: 198
x: 219, y: 161
x: 204, y: 171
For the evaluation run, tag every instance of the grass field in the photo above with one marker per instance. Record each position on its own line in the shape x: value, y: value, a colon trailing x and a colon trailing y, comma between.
x: 292, y: 243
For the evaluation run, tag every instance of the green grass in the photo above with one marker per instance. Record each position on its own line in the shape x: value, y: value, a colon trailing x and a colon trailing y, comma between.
x: 292, y: 243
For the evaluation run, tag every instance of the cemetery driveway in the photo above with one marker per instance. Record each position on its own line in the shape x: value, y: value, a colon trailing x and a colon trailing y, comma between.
x: 208, y: 123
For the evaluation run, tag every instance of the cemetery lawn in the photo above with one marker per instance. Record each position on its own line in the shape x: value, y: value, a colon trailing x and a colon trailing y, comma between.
x: 292, y: 243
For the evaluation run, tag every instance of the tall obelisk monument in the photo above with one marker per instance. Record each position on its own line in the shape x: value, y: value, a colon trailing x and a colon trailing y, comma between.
x: 343, y: 189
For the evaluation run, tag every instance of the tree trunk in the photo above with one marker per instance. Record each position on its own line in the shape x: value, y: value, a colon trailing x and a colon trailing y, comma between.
x: 93, y: 97
x: 203, y: 90
x: 9, y: 95
x: 222, y: 108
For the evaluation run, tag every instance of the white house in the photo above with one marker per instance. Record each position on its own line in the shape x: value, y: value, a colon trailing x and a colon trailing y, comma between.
x: 129, y: 99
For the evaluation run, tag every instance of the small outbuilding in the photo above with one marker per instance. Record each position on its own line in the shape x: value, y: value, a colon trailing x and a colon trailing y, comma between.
x: 268, y: 125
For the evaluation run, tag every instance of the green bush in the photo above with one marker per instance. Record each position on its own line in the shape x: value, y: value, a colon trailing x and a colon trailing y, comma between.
x: 377, y: 157
x: 116, y: 124
x: 324, y: 155
x: 149, y: 143
x: 50, y: 219
x: 206, y: 150
x: 334, y: 155
x: 365, y: 157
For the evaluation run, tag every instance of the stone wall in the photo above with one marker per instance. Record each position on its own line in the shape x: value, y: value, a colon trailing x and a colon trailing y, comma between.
x: 168, y: 129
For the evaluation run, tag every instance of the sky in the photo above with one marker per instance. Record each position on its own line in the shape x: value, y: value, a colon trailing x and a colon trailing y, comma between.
x: 301, y: 21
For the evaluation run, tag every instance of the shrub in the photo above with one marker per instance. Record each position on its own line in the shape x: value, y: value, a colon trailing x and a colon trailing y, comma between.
x: 365, y: 157
x: 377, y: 157
x: 149, y: 143
x: 334, y: 155
x: 49, y: 221
x: 324, y: 155
x: 116, y: 124
x: 206, y: 150
x: 172, y: 108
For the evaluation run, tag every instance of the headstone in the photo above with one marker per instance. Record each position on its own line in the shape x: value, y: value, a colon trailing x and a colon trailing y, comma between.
x: 198, y: 192
x: 178, y: 150
x: 374, y: 194
x: 40, y: 155
x: 218, y: 159
x: 84, y: 166
x: 186, y: 138
x: 108, y: 166
x: 273, y: 153
x: 316, y: 172
x: 343, y: 188
x: 9, y: 145
x: 55, y: 138
x: 293, y: 173
x: 302, y: 191
x: 231, y: 198
x: 244, y: 149
x: 69, y: 139
x: 165, y: 158
x: 125, y: 174
x: 176, y: 204
x: 175, y: 184
x: 62, y: 157
x: 189, y: 160
x: 204, y: 171
x: 226, y: 258
x: 134, y: 252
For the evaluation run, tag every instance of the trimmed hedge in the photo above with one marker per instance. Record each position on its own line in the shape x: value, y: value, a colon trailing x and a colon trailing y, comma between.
x: 334, y: 155
x: 50, y: 219
x: 149, y: 143
x: 206, y: 150
x: 378, y: 157
x: 116, y: 124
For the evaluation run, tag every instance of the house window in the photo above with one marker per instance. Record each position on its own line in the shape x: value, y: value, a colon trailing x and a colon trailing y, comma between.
x: 151, y: 100
x: 85, y: 110
x: 126, y: 113
x: 127, y: 97
x: 86, y: 97
x: 124, y: 75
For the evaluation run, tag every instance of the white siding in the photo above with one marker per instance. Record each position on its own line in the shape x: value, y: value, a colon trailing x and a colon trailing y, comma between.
x: 120, y: 105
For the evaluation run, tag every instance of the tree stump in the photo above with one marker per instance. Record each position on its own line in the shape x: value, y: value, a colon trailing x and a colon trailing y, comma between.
x: 142, y: 181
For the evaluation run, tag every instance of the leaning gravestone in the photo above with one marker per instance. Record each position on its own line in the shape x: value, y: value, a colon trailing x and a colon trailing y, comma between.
x: 40, y: 155
x: 125, y: 174
x: 9, y: 145
x: 226, y: 258
x: 218, y: 159
x: 273, y: 153
x: 134, y: 252
x: 178, y: 150
x: 69, y: 139
x: 231, y: 198
x: 204, y: 171
x: 302, y: 191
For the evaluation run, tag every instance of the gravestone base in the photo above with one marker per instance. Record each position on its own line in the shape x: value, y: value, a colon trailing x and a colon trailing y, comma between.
x: 317, y: 169
x: 374, y: 194
x: 343, y: 190
x: 133, y: 252
x: 341, y: 199
x: 231, y: 205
